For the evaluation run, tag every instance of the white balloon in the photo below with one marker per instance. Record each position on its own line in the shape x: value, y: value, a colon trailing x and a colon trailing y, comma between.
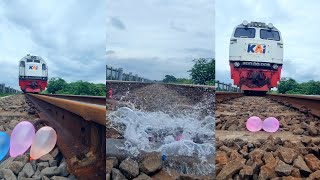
x: 43, y: 142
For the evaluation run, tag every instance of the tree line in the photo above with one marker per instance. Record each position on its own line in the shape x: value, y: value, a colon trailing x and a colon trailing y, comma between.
x: 202, y: 72
x: 60, y: 86
x: 291, y: 86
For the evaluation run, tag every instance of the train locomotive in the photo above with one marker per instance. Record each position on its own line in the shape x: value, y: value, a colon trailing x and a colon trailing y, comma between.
x: 33, y: 74
x: 256, y: 57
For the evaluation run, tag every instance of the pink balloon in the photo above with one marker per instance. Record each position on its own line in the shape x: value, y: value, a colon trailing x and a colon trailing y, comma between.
x: 21, y: 138
x: 254, y: 124
x: 179, y: 137
x: 270, y: 124
x: 43, y: 142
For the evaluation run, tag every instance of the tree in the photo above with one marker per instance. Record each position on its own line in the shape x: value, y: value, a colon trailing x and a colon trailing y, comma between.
x: 60, y: 86
x: 312, y: 87
x: 203, y: 71
x: 169, y: 79
x: 56, y: 84
x: 290, y: 86
x: 287, y: 84
x: 184, y: 81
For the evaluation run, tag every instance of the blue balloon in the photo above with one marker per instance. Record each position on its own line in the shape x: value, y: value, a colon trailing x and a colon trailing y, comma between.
x: 4, y: 144
x: 164, y: 157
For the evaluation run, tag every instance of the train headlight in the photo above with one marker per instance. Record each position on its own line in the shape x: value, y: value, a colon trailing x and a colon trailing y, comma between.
x: 270, y: 25
x: 236, y: 64
x: 245, y: 23
x: 275, y: 66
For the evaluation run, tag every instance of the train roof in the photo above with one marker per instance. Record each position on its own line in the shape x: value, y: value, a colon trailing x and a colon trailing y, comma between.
x: 255, y: 24
x: 33, y: 57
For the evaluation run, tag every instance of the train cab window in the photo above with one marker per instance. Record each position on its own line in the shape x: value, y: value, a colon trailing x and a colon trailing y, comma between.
x: 245, y: 32
x: 29, y: 60
x: 22, y: 64
x: 44, y: 67
x: 36, y: 61
x: 269, y: 34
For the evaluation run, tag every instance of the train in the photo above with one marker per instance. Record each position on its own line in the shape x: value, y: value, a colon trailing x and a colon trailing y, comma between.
x: 33, y: 74
x: 255, y: 57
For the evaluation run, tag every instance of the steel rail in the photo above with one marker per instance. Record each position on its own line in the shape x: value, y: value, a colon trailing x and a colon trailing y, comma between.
x: 304, y: 103
x: 81, y: 130
x: 99, y: 100
x: 222, y: 96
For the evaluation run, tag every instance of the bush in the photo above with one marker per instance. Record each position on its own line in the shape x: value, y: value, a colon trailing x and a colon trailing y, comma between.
x: 60, y: 86
x: 291, y: 86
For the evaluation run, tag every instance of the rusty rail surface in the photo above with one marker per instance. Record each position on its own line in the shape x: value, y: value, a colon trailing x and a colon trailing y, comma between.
x: 99, y: 100
x: 226, y: 95
x: 305, y: 104
x: 81, y: 130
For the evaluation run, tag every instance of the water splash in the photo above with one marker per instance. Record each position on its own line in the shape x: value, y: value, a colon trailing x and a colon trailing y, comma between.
x: 181, y: 134
x: 179, y: 130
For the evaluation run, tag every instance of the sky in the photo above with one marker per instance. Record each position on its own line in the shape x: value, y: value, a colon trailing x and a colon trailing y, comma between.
x: 297, y: 22
x: 69, y: 35
x: 153, y: 38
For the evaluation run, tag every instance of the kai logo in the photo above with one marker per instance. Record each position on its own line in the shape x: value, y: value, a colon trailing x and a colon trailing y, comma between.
x: 257, y: 48
x: 33, y: 67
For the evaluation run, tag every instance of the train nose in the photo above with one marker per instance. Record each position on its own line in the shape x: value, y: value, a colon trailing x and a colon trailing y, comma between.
x: 258, y: 77
x: 34, y: 85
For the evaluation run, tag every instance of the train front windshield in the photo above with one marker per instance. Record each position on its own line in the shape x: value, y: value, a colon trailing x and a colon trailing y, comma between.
x: 245, y: 32
x: 269, y: 34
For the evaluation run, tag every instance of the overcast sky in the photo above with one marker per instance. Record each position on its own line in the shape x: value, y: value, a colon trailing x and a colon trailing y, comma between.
x: 153, y: 38
x: 69, y: 35
x: 298, y: 22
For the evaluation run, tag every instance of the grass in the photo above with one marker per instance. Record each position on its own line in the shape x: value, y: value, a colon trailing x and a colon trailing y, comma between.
x: 273, y: 92
x: 2, y: 95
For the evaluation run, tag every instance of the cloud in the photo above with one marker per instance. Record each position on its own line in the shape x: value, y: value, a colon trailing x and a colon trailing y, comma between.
x: 110, y: 52
x: 161, y: 37
x: 117, y: 23
x: 300, y: 72
x: 176, y: 27
x: 204, y: 52
x: 69, y: 35
x: 153, y: 68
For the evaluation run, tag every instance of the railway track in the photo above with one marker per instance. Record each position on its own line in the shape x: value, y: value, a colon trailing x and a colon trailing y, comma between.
x: 291, y: 152
x: 80, y: 125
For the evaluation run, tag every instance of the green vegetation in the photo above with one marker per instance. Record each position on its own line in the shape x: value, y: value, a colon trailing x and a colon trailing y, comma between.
x: 202, y: 72
x: 169, y: 79
x: 291, y: 86
x: 273, y: 92
x: 184, y: 81
x: 172, y: 79
x: 60, y: 86
x: 2, y: 95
